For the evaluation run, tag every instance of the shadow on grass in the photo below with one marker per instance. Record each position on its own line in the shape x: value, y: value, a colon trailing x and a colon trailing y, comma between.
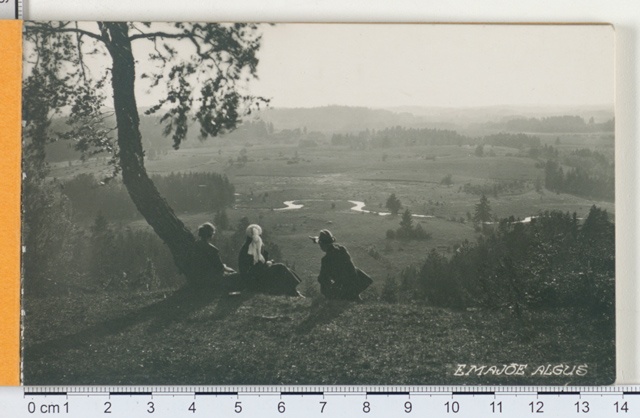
x: 322, y: 312
x: 229, y: 305
x: 176, y: 307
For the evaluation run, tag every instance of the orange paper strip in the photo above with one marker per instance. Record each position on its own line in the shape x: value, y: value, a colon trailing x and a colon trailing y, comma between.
x: 10, y: 127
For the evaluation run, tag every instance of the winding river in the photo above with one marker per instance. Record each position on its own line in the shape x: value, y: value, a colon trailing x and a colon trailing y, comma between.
x: 359, y: 207
x: 291, y: 204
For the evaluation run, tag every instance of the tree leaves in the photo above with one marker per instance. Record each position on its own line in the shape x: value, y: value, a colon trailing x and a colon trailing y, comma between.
x: 197, y: 68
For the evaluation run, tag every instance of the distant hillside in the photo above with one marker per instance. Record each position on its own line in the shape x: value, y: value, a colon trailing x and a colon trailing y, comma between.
x: 344, y: 119
x: 338, y: 119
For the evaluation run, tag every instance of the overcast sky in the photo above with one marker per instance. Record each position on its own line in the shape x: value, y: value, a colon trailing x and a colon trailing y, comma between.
x: 381, y: 65
x: 389, y: 65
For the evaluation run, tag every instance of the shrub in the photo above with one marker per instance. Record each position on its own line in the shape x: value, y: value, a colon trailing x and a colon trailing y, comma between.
x: 393, y: 204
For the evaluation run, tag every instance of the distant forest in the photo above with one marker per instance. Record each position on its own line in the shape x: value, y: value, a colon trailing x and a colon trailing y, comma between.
x: 559, y: 124
x: 590, y: 174
x: 400, y: 136
x: 552, y: 124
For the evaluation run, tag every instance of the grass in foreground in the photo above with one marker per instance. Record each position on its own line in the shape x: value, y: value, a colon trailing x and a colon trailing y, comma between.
x: 183, y: 338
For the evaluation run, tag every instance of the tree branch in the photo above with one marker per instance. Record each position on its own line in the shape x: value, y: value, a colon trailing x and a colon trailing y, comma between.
x: 81, y: 32
x: 154, y: 35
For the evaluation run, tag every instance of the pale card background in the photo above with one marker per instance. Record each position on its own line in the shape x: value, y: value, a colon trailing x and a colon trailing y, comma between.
x: 623, y: 14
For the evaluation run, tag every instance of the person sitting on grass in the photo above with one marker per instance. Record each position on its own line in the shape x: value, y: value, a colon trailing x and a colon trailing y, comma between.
x: 210, y: 271
x: 339, y: 278
x: 261, y: 274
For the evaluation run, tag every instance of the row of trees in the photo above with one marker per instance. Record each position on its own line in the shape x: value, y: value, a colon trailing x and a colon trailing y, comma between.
x: 579, y: 181
x: 564, y: 123
x: 399, y: 136
x: 496, y: 188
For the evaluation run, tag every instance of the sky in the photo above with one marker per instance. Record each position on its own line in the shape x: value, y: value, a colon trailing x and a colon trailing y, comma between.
x: 389, y: 65
x: 429, y: 65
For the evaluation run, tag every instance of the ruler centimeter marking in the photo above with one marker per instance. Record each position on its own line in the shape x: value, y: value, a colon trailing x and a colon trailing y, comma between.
x: 480, y: 390
x: 321, y: 401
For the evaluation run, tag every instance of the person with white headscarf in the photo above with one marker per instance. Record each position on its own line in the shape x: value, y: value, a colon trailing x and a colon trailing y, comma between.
x: 261, y: 274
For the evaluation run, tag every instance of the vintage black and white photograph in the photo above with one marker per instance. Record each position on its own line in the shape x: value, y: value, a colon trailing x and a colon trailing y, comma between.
x: 251, y: 204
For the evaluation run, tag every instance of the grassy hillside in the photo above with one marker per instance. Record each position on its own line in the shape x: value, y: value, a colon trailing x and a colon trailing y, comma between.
x: 184, y: 338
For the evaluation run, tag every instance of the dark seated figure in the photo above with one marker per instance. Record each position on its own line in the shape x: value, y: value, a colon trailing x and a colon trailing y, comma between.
x: 209, y: 272
x: 339, y: 278
x: 258, y: 273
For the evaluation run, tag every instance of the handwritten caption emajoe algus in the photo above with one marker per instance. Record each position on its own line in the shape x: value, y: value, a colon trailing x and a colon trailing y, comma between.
x: 520, y: 369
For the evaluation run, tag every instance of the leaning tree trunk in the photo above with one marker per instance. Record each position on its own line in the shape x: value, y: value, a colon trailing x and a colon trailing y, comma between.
x: 143, y: 192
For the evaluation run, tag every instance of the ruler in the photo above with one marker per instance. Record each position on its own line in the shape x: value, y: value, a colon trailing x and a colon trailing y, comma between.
x: 320, y: 401
x: 11, y: 9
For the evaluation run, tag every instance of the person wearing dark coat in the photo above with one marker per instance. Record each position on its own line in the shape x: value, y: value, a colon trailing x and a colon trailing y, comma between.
x: 339, y: 278
x: 210, y: 271
x: 261, y: 274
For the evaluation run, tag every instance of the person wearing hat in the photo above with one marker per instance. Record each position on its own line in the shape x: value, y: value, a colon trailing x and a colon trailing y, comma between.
x: 261, y: 274
x: 339, y: 278
x: 210, y: 271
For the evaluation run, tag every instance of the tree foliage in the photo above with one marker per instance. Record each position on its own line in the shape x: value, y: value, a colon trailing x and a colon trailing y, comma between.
x: 406, y: 223
x: 197, y: 72
x: 590, y: 175
x: 552, y: 262
x: 407, y: 230
x: 393, y: 204
x: 482, y: 212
